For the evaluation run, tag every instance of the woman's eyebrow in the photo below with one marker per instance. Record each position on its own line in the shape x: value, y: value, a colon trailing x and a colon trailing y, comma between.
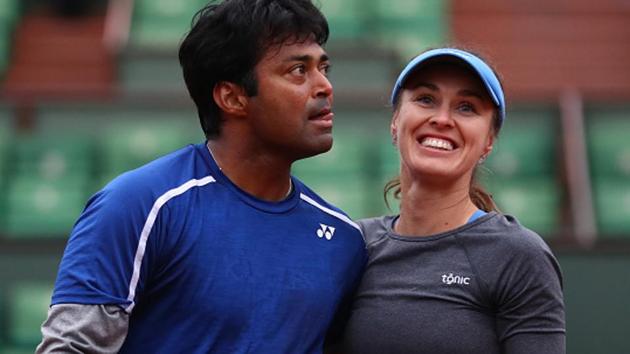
x: 470, y: 93
x: 431, y: 87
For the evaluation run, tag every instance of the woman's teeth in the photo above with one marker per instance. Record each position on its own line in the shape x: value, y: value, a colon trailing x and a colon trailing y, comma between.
x: 437, y: 143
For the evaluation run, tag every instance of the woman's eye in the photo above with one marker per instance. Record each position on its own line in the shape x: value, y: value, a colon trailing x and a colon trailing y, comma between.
x: 467, y: 108
x: 425, y: 99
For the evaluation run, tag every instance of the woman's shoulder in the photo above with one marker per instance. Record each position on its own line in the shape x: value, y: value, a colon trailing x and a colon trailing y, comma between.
x: 505, y: 251
x: 376, y: 228
x: 507, y: 235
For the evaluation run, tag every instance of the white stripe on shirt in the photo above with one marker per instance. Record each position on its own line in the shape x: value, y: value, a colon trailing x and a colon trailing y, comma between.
x: 336, y: 214
x: 148, y: 225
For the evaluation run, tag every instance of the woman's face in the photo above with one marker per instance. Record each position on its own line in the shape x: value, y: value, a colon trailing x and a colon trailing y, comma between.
x: 442, y: 125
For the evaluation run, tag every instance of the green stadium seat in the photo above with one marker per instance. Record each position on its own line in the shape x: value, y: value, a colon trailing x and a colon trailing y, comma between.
x: 410, y: 25
x: 607, y: 139
x: 535, y: 202
x: 40, y: 208
x: 612, y: 208
x: 348, y: 154
x: 609, y: 158
x: 526, y: 144
x: 151, y: 33
x: 372, y: 73
x: 406, y: 11
x: 54, y: 157
x: 162, y: 24
x: 28, y: 307
x: 5, y: 144
x: 346, y: 191
x: 521, y: 170
x: 125, y: 136
x: 347, y: 19
x: 337, y: 175
x: 389, y: 168
x: 79, y: 118
x: 5, y: 140
x: 9, y: 10
x: 349, y: 175
x: 31, y: 268
x: 92, y: 119
x: 388, y: 156
x: 4, y: 50
x: 142, y: 74
x: 128, y: 145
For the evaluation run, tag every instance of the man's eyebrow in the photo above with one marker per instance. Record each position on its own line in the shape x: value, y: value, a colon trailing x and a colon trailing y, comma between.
x: 307, y: 58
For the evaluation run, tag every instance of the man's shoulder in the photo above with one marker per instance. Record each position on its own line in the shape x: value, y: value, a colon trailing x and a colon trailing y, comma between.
x: 158, y: 177
x: 320, y: 205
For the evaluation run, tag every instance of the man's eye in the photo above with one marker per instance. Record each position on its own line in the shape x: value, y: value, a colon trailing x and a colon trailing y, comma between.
x: 325, y: 69
x: 298, y: 70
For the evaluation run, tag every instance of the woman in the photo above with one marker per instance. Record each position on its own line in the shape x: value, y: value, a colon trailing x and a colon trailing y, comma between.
x: 450, y: 274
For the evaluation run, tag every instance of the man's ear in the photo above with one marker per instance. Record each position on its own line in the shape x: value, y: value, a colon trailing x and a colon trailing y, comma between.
x: 230, y: 97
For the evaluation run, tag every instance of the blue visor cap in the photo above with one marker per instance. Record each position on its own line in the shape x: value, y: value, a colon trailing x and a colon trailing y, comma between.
x: 487, y: 76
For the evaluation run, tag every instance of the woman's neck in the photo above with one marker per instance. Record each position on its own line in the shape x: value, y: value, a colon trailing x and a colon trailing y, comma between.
x: 431, y: 209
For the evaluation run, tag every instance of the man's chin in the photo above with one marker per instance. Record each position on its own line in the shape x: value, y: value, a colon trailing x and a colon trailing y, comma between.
x: 322, y: 145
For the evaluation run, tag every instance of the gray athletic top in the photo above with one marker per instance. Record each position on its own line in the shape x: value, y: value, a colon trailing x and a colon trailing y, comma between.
x: 490, y: 286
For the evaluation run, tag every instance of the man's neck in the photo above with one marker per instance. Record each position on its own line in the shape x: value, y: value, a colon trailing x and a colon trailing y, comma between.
x: 263, y: 176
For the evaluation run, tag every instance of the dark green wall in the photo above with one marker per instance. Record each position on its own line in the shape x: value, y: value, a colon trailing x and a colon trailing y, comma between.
x: 597, y: 299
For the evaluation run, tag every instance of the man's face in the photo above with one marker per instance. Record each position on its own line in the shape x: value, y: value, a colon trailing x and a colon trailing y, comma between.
x: 292, y: 113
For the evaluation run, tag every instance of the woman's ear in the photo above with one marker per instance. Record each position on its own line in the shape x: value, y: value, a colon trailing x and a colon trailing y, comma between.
x: 231, y: 98
x: 393, y: 128
x: 489, y: 145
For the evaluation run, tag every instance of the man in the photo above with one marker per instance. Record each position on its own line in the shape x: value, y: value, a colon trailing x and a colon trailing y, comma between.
x: 215, y: 247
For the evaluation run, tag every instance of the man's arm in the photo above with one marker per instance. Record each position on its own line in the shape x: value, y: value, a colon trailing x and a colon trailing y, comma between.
x: 75, y: 328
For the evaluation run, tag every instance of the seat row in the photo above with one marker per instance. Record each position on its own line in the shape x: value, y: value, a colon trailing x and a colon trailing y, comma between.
x: 399, y: 24
x: 46, y: 176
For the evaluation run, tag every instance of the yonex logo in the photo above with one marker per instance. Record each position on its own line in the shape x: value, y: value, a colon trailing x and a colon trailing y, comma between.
x: 455, y: 279
x: 325, y: 231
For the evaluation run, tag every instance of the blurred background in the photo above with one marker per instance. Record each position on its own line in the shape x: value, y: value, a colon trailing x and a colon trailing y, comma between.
x: 89, y: 89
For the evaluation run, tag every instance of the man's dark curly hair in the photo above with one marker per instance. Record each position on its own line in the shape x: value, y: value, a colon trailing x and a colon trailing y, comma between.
x: 229, y: 38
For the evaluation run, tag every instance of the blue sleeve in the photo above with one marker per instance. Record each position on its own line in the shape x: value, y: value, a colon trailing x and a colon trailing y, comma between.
x: 98, y: 262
